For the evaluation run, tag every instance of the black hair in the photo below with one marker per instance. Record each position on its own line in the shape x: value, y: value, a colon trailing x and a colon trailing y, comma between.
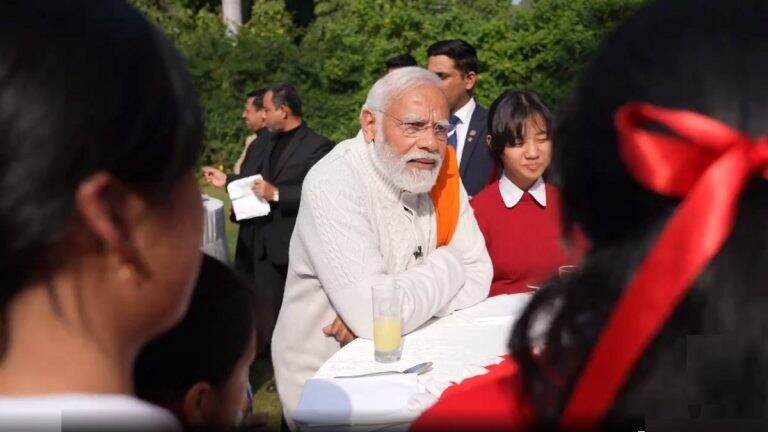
x: 710, y: 361
x: 258, y: 97
x: 208, y: 342
x: 84, y: 87
x: 398, y: 61
x: 507, y: 116
x: 463, y: 54
x: 286, y: 94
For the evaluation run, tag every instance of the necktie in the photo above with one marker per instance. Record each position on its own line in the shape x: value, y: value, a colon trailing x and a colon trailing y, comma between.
x: 452, y: 138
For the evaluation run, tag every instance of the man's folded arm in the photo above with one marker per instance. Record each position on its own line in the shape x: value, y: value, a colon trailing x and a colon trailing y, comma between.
x: 468, y: 240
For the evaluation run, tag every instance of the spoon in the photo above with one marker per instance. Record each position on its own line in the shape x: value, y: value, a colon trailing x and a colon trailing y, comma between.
x: 418, y: 370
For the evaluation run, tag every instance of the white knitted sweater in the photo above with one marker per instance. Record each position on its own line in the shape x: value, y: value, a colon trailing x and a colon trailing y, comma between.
x: 354, y: 228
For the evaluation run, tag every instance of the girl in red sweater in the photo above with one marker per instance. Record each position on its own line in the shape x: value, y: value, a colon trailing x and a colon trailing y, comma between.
x: 519, y: 214
x: 663, y: 163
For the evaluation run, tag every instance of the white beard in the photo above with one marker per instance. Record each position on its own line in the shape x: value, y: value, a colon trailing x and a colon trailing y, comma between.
x: 415, y: 180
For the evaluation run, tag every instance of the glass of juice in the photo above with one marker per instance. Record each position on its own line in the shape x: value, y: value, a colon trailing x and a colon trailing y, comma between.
x: 387, y: 322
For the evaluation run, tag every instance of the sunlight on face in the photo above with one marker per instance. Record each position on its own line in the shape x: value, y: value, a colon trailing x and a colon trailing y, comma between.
x: 413, y: 160
x: 526, y: 160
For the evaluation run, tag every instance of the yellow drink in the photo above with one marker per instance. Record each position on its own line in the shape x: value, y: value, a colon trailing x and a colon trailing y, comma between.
x: 387, y: 322
x: 386, y: 334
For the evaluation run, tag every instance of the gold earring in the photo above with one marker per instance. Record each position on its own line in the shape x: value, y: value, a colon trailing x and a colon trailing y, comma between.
x: 125, y: 272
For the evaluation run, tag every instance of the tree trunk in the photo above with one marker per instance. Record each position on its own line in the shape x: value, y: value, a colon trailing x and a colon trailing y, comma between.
x: 233, y: 15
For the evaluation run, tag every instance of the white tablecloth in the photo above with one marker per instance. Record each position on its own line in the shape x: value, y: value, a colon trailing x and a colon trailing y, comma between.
x: 459, y: 346
x: 214, y: 234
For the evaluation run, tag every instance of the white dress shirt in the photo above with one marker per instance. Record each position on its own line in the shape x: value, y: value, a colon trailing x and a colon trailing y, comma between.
x: 465, y: 116
x: 511, y: 194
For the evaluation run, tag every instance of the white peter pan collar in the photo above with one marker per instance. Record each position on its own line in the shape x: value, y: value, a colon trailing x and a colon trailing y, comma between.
x: 511, y: 194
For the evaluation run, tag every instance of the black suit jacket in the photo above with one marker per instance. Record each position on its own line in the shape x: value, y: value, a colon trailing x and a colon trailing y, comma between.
x: 251, y: 165
x: 476, y: 161
x: 268, y: 237
x: 253, y: 155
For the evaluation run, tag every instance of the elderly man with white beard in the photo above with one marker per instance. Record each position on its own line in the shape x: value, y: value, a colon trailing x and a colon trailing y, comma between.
x: 367, y: 217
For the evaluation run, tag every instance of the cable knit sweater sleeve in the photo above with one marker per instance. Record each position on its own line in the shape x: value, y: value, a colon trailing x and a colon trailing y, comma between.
x: 343, y: 249
x: 478, y: 270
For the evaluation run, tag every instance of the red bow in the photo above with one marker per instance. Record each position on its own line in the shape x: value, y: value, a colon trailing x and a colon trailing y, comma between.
x: 707, y: 165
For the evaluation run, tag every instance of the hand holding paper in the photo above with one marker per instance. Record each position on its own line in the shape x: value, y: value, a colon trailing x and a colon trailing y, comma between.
x: 244, y: 202
x: 263, y: 189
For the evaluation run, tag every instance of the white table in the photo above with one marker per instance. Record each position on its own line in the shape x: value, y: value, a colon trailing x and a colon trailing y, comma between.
x: 459, y: 346
x: 214, y: 241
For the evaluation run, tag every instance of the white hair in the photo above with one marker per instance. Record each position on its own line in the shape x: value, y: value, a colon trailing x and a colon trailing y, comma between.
x: 393, y: 84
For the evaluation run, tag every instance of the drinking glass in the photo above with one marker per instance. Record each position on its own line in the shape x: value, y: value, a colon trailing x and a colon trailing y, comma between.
x: 387, y: 322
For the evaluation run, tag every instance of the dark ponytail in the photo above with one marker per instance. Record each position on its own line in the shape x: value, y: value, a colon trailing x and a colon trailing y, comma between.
x: 85, y: 86
x: 710, y: 361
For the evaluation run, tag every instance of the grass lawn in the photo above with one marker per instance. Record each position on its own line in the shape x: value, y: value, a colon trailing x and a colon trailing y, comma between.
x: 264, y: 400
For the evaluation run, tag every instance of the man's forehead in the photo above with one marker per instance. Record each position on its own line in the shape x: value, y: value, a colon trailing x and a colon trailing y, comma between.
x: 441, y: 63
x: 422, y: 102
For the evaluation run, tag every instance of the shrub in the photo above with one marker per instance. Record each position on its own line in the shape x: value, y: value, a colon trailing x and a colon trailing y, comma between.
x: 337, y: 58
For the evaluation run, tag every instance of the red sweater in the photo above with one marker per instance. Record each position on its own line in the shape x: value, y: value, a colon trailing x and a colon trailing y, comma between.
x: 524, y: 242
x: 490, y: 402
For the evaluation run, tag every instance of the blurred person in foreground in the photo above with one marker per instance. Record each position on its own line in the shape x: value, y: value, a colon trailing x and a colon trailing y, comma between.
x: 384, y: 207
x: 101, y: 217
x: 663, y: 159
x: 199, y: 368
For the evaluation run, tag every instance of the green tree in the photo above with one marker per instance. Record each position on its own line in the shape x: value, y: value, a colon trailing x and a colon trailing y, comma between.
x: 544, y: 47
x: 335, y: 60
x: 541, y: 47
x: 225, y: 68
x: 344, y: 49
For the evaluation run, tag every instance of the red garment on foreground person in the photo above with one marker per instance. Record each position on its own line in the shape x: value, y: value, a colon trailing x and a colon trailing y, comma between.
x: 707, y: 164
x: 489, y: 402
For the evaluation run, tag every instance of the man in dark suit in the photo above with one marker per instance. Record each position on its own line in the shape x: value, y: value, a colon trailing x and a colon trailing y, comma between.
x: 283, y: 156
x: 250, y: 164
x: 455, y: 63
x: 247, y: 165
x: 253, y: 117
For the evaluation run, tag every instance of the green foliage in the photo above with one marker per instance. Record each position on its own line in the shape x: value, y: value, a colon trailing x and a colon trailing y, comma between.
x: 225, y: 68
x: 337, y: 58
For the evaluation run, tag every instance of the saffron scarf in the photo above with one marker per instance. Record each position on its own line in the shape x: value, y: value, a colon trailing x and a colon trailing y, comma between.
x: 445, y: 196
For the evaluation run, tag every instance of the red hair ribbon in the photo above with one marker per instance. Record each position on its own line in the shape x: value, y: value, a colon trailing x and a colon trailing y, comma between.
x: 707, y: 164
